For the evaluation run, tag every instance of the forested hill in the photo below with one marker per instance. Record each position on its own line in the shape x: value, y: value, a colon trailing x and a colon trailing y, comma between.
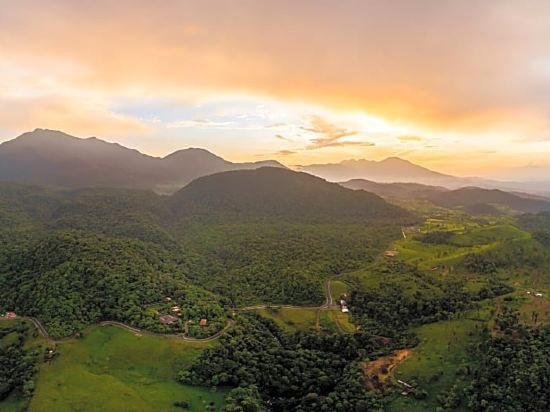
x: 278, y: 193
x: 74, y: 257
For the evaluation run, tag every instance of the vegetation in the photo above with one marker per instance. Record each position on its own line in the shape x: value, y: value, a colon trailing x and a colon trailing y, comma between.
x: 18, y: 362
x: 112, y: 369
x: 75, y: 258
x: 513, y: 368
x: 301, y: 371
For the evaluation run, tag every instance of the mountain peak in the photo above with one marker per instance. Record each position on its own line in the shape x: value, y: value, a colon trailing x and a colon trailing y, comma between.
x: 397, y: 160
x: 52, y: 157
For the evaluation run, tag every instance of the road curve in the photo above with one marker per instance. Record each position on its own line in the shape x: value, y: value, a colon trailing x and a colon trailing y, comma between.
x: 180, y: 336
x: 329, y: 304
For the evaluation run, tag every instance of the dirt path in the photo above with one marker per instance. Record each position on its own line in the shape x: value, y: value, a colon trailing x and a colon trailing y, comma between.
x: 180, y: 336
x: 328, y: 305
x: 379, y: 371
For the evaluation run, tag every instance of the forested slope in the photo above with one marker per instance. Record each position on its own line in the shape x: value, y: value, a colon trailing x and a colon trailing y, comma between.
x: 75, y: 257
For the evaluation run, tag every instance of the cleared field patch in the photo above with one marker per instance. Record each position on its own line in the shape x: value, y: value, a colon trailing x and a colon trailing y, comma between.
x: 338, y: 288
x: 489, y: 234
x: 111, y: 369
x: 535, y: 310
x: 433, y: 365
x: 292, y: 319
x: 327, y: 323
x: 371, y: 279
x: 341, y: 320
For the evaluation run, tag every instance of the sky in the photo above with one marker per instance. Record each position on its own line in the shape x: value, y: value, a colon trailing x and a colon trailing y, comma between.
x: 461, y: 86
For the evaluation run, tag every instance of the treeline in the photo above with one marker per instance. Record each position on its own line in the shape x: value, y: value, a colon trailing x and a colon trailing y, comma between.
x: 510, y: 255
x: 272, y: 261
x: 75, y: 257
x: 391, y: 308
x: 18, y: 365
x: 512, y: 372
x: 70, y: 279
x: 299, y: 372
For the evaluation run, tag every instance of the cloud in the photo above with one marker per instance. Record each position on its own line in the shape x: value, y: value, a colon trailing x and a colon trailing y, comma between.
x: 331, y: 135
x: 68, y: 114
x: 285, y: 152
x: 461, y: 72
x: 281, y: 137
x: 200, y: 123
x: 411, y: 138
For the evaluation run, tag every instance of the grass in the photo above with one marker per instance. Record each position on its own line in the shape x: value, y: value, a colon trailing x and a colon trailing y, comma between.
x: 433, y: 365
x: 305, y: 319
x: 292, y: 319
x: 370, y: 279
x: 111, y: 369
x: 342, y: 319
x: 338, y: 288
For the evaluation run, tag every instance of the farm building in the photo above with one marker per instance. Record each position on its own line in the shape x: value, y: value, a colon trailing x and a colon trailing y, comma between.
x: 391, y: 253
x: 203, y: 322
x: 345, y: 309
x: 168, y: 319
x: 10, y: 315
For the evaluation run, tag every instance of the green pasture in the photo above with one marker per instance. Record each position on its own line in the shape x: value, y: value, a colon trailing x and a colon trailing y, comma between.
x: 435, y: 362
x: 111, y: 369
x: 292, y: 319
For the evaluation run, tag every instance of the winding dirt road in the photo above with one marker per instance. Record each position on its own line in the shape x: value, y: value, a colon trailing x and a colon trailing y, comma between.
x: 328, y: 305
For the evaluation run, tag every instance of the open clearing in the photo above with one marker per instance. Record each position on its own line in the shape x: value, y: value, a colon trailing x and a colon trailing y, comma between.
x: 378, y: 371
x: 433, y: 365
x: 112, y: 369
x: 292, y: 319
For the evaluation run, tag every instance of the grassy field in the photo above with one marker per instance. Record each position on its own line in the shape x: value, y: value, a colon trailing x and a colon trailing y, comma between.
x: 111, y: 369
x: 292, y: 319
x: 341, y: 320
x: 434, y: 362
x: 338, y: 288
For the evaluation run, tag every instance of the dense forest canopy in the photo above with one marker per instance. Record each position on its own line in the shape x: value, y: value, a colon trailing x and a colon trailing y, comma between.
x: 72, y: 258
x: 75, y: 257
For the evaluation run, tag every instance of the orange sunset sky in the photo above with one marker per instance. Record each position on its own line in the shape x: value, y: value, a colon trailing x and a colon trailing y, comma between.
x: 462, y: 87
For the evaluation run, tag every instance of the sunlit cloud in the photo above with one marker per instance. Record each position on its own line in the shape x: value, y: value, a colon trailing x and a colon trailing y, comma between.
x: 377, y: 76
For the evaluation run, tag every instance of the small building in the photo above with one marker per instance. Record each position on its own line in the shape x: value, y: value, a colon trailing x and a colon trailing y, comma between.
x: 10, y: 315
x: 391, y: 253
x: 168, y: 299
x: 203, y: 322
x: 168, y: 319
x: 538, y: 295
x: 345, y: 309
x: 176, y: 309
x: 343, y: 302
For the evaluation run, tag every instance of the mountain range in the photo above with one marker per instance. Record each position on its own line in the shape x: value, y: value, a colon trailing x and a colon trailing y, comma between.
x: 473, y: 199
x: 397, y: 170
x: 54, y: 158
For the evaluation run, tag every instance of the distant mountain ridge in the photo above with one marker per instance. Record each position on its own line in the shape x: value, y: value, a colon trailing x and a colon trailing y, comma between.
x: 470, y: 198
x: 390, y: 170
x: 54, y: 158
x: 399, y: 190
x: 397, y: 170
